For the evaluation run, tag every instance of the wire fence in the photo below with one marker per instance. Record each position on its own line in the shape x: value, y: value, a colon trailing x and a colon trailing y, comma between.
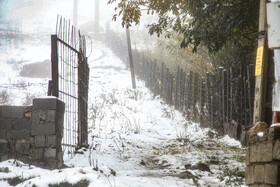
x: 222, y: 101
x: 69, y: 82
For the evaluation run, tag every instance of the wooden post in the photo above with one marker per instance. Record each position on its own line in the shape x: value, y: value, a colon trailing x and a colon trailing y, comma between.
x: 54, y: 58
x: 177, y: 88
x: 170, y: 92
x: 261, y: 64
x: 220, y: 108
x: 202, y: 101
x: 208, y: 96
x: 250, y: 77
x: 190, y: 109
x: 195, y: 95
x: 83, y: 85
x: 187, y: 101
x: 182, y: 89
x: 231, y: 93
x: 130, y: 59
x: 162, y: 79
x: 224, y: 95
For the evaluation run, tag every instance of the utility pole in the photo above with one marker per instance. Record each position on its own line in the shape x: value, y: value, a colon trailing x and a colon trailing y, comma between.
x: 261, y: 67
x: 75, y: 13
x: 130, y: 58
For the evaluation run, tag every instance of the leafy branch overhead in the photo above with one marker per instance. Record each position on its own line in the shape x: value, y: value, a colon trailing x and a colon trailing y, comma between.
x: 208, y: 23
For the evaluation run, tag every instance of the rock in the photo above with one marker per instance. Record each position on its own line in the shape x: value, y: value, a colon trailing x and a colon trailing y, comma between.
x: 186, y: 175
x: 198, y: 166
x: 143, y: 163
x: 259, y: 127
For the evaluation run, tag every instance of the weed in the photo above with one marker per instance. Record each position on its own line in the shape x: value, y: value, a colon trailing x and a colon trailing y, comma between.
x: 4, y: 97
x: 17, y: 180
x: 28, y: 99
x: 168, y: 113
x: 239, y: 158
x: 232, y: 176
x: 81, y: 183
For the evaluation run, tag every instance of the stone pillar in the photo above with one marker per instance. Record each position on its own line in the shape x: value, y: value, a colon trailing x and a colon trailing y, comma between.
x: 263, y: 159
x: 47, y: 132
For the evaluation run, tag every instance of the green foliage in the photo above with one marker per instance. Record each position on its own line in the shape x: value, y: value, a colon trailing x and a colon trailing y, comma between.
x: 208, y: 23
x: 232, y: 176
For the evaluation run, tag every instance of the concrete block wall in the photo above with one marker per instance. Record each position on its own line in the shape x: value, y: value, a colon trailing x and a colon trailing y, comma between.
x: 263, y: 159
x: 33, y: 134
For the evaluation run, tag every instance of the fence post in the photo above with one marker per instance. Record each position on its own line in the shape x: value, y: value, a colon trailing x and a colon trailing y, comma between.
x: 202, y: 100
x: 195, y: 95
x: 83, y: 82
x: 54, y: 58
x: 177, y: 88
x: 231, y: 93
x: 224, y: 95
x: 208, y: 97
x: 170, y: 95
x: 190, y: 109
x: 130, y: 59
x: 220, y: 93
x: 182, y: 90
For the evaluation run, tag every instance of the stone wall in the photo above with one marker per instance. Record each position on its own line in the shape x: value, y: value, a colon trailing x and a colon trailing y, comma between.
x: 263, y: 159
x: 33, y: 134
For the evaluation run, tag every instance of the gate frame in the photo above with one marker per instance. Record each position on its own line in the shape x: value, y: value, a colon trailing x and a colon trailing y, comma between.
x: 83, y: 85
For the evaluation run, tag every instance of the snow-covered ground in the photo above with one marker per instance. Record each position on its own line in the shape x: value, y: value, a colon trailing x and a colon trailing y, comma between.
x: 135, y: 138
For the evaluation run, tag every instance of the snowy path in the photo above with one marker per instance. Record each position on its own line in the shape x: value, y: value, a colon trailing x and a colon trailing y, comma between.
x: 137, y: 140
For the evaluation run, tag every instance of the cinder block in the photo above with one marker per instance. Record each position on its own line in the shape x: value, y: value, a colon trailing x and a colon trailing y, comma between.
x: 3, y: 157
x: 265, y: 151
x: 32, y: 141
x: 247, y: 157
x: 36, y: 153
x: 12, y: 112
x: 276, y: 150
x: 3, y: 146
x: 50, y: 153
x: 265, y: 185
x: 44, y: 129
x: 6, y: 123
x: 3, y: 134
x: 22, y: 147
x: 259, y: 173
x: 272, y: 174
x: 53, y: 164
x: 48, y: 104
x: 23, y: 158
x: 35, y: 118
x: 53, y: 141
x: 254, y: 156
x: 40, y: 141
x: 249, y: 175
x: 51, y: 115
x: 18, y: 135
x: 22, y: 124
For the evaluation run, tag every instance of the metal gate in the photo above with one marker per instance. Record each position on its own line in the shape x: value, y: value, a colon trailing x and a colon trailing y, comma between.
x: 70, y: 79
